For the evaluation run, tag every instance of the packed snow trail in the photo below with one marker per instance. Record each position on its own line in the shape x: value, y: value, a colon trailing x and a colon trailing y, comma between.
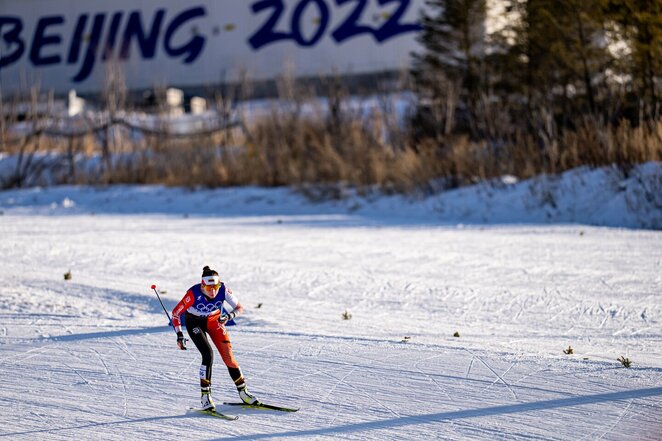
x: 93, y: 357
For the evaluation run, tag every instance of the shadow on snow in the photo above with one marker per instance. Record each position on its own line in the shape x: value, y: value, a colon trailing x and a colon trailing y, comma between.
x: 461, y: 414
x: 106, y: 334
x: 395, y: 422
x: 91, y: 425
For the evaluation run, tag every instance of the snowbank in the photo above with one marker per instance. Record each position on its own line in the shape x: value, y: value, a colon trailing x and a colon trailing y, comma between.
x: 604, y: 197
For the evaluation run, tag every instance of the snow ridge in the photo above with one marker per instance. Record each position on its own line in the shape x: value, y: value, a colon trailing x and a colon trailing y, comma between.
x: 602, y: 197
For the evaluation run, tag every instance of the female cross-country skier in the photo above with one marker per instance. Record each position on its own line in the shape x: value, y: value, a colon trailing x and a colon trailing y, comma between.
x: 204, y: 314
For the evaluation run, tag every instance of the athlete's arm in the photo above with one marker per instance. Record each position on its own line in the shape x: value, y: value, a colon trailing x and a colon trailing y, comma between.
x: 232, y: 300
x: 182, y: 306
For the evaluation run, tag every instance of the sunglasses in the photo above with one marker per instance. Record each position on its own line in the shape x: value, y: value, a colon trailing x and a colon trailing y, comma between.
x: 210, y: 287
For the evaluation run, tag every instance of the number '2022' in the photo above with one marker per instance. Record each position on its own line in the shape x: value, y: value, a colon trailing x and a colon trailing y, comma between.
x: 349, y: 27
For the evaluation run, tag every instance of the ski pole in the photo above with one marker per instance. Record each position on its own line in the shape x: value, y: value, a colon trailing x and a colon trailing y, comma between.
x: 164, y: 309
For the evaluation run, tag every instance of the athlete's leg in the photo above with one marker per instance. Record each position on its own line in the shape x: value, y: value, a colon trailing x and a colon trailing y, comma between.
x: 196, y: 327
x: 219, y: 335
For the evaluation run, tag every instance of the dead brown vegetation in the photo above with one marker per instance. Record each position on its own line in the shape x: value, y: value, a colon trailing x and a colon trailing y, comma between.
x: 336, y: 143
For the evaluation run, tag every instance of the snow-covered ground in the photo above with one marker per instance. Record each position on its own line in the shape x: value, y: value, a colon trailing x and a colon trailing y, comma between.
x: 93, y: 357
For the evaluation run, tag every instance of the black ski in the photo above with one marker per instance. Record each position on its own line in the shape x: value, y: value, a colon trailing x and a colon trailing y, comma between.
x: 264, y: 406
x: 215, y: 414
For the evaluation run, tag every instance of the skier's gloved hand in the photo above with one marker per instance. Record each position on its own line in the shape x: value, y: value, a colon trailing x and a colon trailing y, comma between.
x: 224, y: 318
x: 181, y: 341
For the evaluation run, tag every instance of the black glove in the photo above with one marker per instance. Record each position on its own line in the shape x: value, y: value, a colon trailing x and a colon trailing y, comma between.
x: 181, y: 341
x: 224, y: 318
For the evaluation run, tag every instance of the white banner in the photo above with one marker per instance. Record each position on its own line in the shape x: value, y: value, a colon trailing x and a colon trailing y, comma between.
x: 70, y: 44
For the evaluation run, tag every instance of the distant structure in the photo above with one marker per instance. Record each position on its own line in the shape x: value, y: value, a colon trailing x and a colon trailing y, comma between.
x: 75, y: 104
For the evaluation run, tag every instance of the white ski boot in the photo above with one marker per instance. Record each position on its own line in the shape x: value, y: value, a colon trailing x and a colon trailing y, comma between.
x: 206, y: 401
x: 247, y: 397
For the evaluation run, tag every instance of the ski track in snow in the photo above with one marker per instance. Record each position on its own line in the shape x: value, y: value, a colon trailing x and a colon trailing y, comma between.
x: 94, y: 358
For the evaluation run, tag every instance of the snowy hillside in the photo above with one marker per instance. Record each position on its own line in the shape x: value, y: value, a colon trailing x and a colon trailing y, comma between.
x: 513, y: 269
x: 602, y: 197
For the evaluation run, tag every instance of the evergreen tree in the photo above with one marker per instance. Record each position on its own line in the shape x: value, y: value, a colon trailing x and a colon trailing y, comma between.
x: 638, y: 23
x: 553, y: 68
x: 563, y: 54
x: 448, y: 70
